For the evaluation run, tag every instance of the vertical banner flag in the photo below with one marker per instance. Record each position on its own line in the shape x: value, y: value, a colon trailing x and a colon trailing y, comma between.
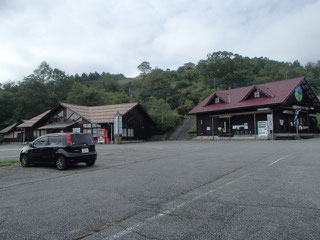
x: 115, y: 124
x: 120, y: 124
x: 270, y: 122
x: 295, y: 122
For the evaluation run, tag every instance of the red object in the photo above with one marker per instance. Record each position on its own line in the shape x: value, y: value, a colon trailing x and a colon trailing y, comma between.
x: 276, y: 93
x: 103, y: 134
x: 69, y: 140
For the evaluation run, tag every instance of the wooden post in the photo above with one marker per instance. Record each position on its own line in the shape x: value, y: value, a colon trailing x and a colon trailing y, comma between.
x: 229, y: 128
x: 212, y: 129
x: 255, y: 126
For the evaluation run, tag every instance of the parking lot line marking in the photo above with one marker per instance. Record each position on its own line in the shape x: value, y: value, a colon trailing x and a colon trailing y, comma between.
x: 169, y: 211
x: 278, y: 160
x: 10, y: 156
x: 4, y: 150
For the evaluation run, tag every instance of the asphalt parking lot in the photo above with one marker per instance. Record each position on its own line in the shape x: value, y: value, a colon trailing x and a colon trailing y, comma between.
x: 170, y: 190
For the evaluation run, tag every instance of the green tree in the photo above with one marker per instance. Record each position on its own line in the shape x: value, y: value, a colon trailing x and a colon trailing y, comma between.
x: 161, y: 112
x: 145, y: 68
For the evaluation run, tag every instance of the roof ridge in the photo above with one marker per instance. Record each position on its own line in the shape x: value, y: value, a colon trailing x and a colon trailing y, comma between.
x: 277, y: 92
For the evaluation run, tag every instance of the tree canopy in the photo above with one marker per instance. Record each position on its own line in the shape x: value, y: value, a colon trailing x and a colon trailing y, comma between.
x: 165, y: 94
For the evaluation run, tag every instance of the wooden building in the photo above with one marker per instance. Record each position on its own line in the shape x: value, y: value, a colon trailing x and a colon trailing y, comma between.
x: 136, y: 123
x: 285, y: 108
x: 11, y: 133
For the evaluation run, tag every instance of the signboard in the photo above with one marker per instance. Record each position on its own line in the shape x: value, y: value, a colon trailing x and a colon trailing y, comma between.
x: 270, y: 122
x: 120, y: 125
x: 117, y: 123
x: 76, y: 130
x: 262, y: 128
x: 298, y: 93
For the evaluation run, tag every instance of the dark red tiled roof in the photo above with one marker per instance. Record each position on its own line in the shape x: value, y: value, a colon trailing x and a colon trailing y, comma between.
x: 277, y: 92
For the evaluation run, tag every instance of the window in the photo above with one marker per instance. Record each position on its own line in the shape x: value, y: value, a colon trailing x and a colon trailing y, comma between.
x: 73, y: 116
x: 124, y: 132
x: 216, y: 100
x: 41, y: 142
x: 36, y: 133
x: 52, y: 140
x: 130, y: 132
x: 62, y: 139
x: 87, y: 131
x: 57, y: 117
x: 256, y: 94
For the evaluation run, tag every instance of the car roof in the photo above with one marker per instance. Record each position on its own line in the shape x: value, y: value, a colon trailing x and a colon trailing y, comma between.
x: 62, y: 134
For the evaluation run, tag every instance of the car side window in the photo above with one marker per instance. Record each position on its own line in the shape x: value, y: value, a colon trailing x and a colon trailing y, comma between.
x: 62, y: 140
x: 41, y: 142
x: 53, y: 140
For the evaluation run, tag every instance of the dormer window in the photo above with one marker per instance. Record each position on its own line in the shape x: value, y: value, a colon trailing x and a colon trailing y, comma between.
x: 216, y: 100
x: 256, y: 94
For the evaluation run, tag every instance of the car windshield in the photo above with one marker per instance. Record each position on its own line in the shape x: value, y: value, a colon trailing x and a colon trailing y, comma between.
x: 82, y: 139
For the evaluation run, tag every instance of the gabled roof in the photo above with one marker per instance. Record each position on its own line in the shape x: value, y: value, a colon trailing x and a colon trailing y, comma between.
x: 223, y: 96
x: 8, y: 129
x: 32, y: 121
x: 277, y: 92
x: 100, y: 114
x: 94, y: 114
x: 265, y: 90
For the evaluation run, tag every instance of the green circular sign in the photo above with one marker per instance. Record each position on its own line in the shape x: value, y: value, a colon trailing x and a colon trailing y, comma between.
x: 298, y: 93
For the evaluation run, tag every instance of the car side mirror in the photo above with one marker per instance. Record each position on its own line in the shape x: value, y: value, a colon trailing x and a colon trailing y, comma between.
x: 31, y: 145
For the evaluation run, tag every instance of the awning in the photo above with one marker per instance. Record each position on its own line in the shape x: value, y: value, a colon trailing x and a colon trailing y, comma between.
x: 57, y: 126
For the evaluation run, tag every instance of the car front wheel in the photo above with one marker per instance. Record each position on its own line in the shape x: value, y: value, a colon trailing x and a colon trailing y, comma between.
x: 90, y: 163
x: 25, y: 161
x: 61, y: 163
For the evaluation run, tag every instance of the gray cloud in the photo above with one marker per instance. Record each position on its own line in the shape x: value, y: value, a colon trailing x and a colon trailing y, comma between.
x: 116, y: 36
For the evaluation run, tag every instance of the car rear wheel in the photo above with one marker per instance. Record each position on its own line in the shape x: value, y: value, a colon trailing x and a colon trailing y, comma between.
x: 25, y: 161
x: 61, y: 163
x: 90, y: 163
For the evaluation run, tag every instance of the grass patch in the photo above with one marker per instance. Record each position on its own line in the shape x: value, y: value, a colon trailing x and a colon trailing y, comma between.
x: 9, y: 163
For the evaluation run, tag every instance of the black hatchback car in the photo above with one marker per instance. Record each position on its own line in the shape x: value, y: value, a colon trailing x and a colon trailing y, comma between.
x: 62, y: 149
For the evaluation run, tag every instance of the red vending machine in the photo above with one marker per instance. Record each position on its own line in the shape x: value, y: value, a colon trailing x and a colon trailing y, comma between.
x: 103, y: 136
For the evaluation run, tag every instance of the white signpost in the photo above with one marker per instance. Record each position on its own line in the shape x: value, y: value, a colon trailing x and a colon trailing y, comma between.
x: 117, y: 125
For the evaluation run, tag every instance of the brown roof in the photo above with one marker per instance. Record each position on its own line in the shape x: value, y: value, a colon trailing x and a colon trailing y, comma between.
x: 277, y: 92
x: 32, y: 121
x: 95, y: 114
x: 8, y: 129
x: 100, y: 114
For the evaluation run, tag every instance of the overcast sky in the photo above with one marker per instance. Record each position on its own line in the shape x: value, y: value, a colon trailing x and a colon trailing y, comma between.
x: 115, y: 36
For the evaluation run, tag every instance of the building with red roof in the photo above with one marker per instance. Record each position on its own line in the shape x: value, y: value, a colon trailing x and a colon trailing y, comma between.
x: 264, y: 110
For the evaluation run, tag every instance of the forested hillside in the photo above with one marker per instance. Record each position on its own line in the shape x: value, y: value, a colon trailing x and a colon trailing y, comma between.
x: 165, y: 94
